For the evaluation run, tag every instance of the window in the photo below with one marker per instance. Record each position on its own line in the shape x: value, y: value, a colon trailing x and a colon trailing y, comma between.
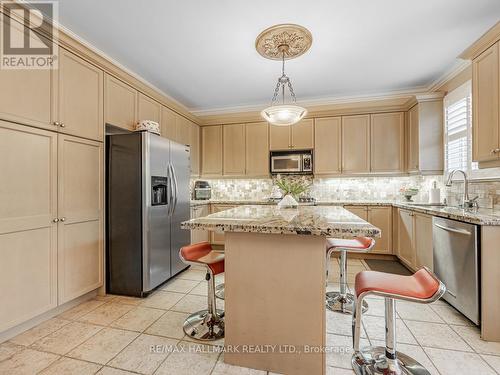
x: 458, y: 135
x: 458, y: 129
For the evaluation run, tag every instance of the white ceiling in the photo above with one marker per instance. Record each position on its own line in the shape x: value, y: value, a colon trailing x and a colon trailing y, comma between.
x: 202, y: 52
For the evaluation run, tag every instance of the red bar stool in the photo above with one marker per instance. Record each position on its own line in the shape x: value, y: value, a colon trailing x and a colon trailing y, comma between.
x: 421, y: 287
x: 205, y: 325
x: 343, y: 301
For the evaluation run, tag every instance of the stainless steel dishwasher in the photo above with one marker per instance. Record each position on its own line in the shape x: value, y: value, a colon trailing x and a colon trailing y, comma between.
x: 456, y: 263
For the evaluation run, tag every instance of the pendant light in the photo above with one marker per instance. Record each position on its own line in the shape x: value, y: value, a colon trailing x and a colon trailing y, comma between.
x: 283, y: 42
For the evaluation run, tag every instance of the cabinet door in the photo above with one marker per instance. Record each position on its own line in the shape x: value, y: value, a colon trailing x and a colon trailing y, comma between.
x: 234, y: 149
x: 356, y: 144
x: 257, y: 149
x: 183, y: 129
x: 80, y: 206
x: 148, y: 109
x: 167, y: 125
x: 28, y: 235
x: 387, y: 142
x: 211, y: 149
x: 26, y: 95
x: 120, y: 105
x: 217, y: 238
x: 279, y: 137
x: 423, y: 241
x: 381, y: 217
x: 194, y: 142
x: 199, y: 235
x: 406, y: 251
x: 413, y: 142
x: 485, y: 93
x: 303, y: 134
x: 80, y: 97
x: 327, y: 145
x: 360, y: 211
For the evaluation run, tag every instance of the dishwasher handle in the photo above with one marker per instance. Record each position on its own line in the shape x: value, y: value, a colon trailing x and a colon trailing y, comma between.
x: 454, y: 230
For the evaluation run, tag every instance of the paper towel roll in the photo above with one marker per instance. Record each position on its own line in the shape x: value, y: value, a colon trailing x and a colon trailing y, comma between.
x: 434, y: 196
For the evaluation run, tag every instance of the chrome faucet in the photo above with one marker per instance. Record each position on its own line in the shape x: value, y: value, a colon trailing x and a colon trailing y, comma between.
x: 466, y: 202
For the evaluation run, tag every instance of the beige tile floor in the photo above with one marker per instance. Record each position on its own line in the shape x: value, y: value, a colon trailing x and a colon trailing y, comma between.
x: 113, y: 335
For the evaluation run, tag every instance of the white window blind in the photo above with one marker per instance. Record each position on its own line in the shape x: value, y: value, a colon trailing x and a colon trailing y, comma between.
x: 458, y: 129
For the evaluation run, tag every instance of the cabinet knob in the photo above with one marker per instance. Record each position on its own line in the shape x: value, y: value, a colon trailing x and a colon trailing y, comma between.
x: 61, y: 124
x: 63, y: 219
x: 56, y: 123
x: 55, y: 220
x: 495, y: 151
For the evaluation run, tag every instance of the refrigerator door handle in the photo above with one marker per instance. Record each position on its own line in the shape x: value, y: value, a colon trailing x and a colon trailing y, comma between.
x: 175, y: 187
x: 171, y: 190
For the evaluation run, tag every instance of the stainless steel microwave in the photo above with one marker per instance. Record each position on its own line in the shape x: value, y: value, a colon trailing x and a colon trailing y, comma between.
x: 300, y: 162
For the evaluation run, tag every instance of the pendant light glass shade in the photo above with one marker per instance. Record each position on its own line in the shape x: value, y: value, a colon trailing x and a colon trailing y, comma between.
x: 283, y: 115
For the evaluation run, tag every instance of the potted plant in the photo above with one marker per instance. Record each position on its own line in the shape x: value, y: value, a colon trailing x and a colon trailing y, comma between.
x: 291, y: 191
x: 408, y: 192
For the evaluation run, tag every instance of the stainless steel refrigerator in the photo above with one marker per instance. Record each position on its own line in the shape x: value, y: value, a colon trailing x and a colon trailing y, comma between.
x: 147, y: 191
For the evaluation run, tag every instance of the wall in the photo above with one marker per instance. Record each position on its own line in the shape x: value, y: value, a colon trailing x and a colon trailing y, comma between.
x: 361, y: 188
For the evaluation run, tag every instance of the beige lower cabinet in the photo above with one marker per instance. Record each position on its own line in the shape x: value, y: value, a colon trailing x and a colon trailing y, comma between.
x: 327, y: 146
x: 199, y: 235
x: 217, y: 238
x: 28, y: 235
x: 356, y: 144
x: 406, y: 249
x: 211, y: 150
x: 257, y: 149
x: 234, y: 150
x: 423, y: 241
x: 80, y: 213
x: 387, y: 142
x: 120, y: 103
x: 381, y: 217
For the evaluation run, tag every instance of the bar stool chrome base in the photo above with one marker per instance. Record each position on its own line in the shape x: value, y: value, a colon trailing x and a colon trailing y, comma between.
x: 219, y: 291
x: 342, y: 303
x: 372, y: 361
x: 204, y: 326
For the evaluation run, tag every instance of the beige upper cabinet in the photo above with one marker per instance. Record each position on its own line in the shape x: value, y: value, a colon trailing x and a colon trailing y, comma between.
x: 413, y: 139
x: 302, y: 134
x: 148, y: 109
x: 80, y: 213
x: 387, y: 142
x: 167, y: 125
x: 425, y: 136
x: 195, y: 149
x: 120, y: 103
x: 485, y: 105
x: 26, y: 95
x: 28, y: 235
x: 356, y: 144
x: 327, y: 145
x: 299, y: 136
x: 234, y: 149
x: 211, y: 149
x: 80, y: 97
x: 423, y: 241
x: 279, y: 137
x: 257, y: 149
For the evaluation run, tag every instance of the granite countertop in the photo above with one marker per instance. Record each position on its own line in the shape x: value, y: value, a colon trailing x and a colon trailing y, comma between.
x: 483, y: 216
x: 329, y: 221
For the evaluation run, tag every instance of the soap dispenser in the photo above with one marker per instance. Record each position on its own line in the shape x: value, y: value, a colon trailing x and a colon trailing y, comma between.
x: 434, y: 194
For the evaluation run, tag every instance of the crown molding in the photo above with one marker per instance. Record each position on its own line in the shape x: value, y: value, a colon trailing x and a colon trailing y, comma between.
x: 489, y: 38
x: 457, y: 68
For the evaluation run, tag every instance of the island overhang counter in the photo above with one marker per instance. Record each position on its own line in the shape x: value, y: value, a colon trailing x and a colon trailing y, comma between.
x: 275, y: 282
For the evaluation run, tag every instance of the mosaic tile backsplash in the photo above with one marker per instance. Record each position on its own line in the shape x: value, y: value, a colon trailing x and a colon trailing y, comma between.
x: 361, y: 188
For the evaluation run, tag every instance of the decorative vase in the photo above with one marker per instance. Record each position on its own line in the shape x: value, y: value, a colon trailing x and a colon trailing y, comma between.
x: 288, y: 202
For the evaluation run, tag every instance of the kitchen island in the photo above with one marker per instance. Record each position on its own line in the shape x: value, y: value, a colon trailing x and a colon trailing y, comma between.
x: 275, y: 282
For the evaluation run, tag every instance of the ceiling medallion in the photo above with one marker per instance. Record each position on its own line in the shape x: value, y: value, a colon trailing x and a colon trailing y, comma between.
x: 283, y: 42
x: 292, y: 40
